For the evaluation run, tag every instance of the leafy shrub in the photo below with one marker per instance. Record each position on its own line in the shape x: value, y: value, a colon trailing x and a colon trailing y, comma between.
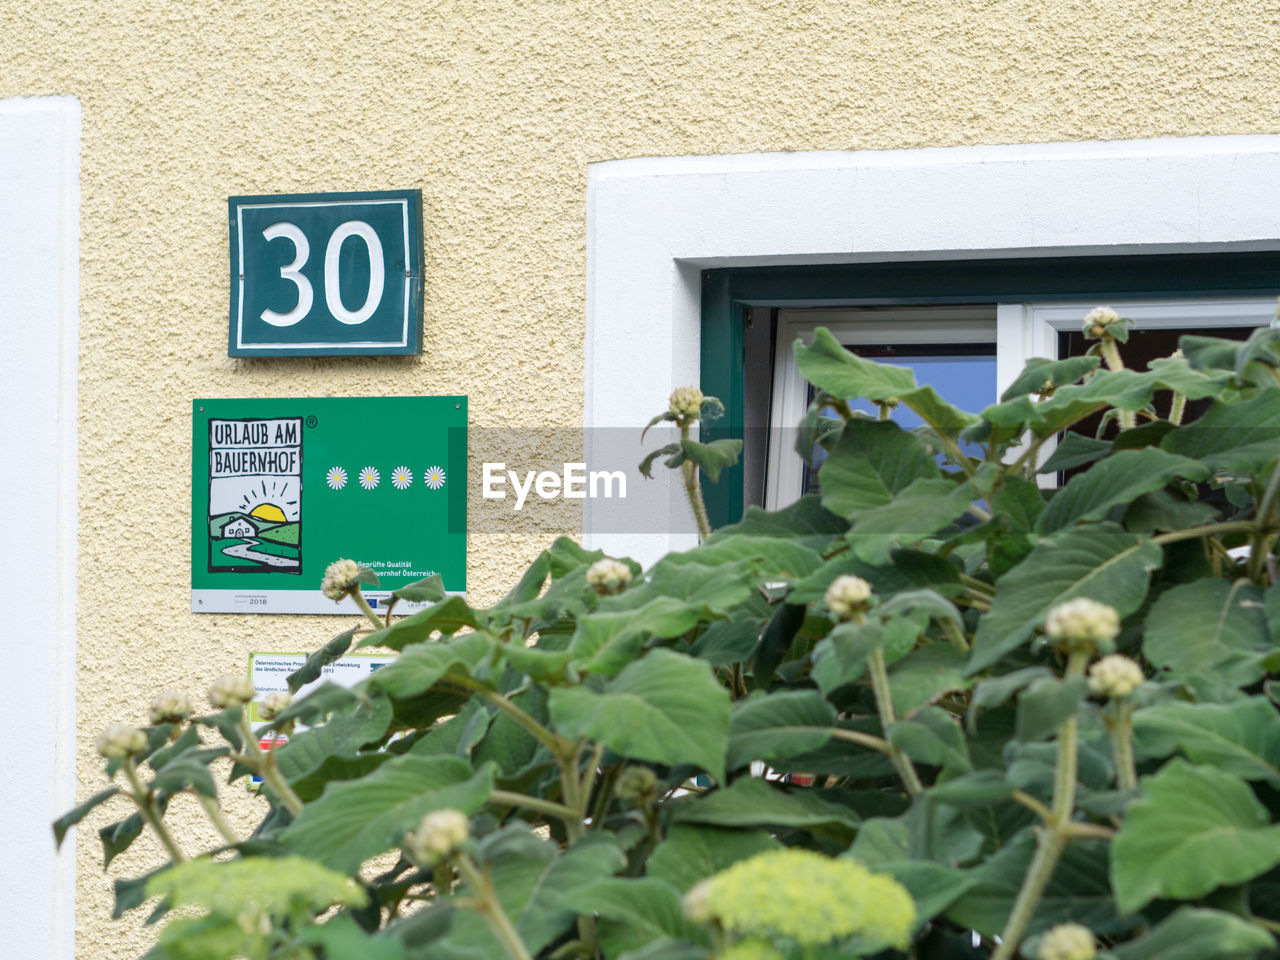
x: 932, y: 711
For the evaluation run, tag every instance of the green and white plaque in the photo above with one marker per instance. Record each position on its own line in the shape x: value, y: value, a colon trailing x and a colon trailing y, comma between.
x: 281, y: 488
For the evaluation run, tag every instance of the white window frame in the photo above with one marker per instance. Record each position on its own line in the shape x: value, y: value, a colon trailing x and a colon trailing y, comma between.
x: 1019, y: 330
x: 654, y: 224
x: 784, y: 477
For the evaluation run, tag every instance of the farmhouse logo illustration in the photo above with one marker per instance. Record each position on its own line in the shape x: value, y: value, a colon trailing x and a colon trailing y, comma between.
x: 255, y: 495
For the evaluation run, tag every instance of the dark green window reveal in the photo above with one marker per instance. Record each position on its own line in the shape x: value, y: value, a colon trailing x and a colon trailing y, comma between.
x: 729, y: 294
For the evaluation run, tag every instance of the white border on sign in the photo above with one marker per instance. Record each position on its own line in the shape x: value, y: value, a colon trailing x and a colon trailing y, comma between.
x: 404, y: 330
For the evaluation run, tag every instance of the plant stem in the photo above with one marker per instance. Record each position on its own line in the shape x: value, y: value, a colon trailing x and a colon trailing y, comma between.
x: 511, y: 799
x: 1111, y: 353
x: 265, y: 765
x: 1207, y: 530
x: 955, y: 634
x: 884, y: 703
x: 1177, y: 407
x: 367, y: 610
x: 1053, y: 836
x: 691, y: 489
x: 558, y: 745
x: 147, y: 807
x: 861, y: 739
x: 1122, y: 747
x: 219, y: 821
x: 978, y: 586
x: 491, y: 909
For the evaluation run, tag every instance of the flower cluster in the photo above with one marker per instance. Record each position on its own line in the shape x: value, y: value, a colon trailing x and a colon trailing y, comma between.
x: 438, y: 837
x: 686, y: 403
x: 121, y: 740
x: 231, y: 690
x: 274, y: 704
x: 608, y: 576
x: 1083, y: 624
x: 1097, y: 320
x: 1115, y: 676
x: 340, y: 578
x: 805, y: 897
x: 170, y: 706
x: 847, y: 596
x: 636, y: 783
x: 1068, y: 941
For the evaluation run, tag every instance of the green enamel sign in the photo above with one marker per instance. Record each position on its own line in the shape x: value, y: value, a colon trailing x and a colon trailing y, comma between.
x: 281, y: 488
x: 321, y: 274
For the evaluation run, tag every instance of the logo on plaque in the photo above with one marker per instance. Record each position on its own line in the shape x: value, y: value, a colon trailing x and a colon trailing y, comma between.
x: 255, y: 495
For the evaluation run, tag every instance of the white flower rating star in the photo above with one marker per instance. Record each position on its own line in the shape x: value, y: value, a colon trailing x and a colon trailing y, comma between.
x: 434, y: 477
x: 336, y: 478
x: 401, y: 478
x: 369, y: 477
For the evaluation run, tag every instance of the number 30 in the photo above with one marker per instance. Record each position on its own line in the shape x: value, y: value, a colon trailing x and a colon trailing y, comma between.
x: 332, y: 297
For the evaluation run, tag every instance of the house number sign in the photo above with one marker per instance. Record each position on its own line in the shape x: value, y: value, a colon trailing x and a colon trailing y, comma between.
x: 325, y: 274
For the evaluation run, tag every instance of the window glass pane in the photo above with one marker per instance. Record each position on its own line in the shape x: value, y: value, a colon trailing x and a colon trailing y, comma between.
x: 963, y: 374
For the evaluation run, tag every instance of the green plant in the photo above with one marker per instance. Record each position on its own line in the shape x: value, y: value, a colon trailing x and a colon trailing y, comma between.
x: 936, y: 710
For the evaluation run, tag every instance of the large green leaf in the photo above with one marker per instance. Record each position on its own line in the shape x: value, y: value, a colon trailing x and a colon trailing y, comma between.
x: 355, y: 820
x: 530, y: 876
x: 606, y: 641
x: 342, y: 735
x: 934, y: 737
x: 1242, y: 737
x: 777, y: 557
x: 422, y: 665
x: 714, y: 456
x: 1240, y: 437
x: 1209, y: 626
x: 1103, y: 563
x: 945, y: 419
x: 923, y: 507
x: 1193, y: 933
x: 925, y: 674
x: 883, y: 846
x: 1078, y: 890
x: 778, y: 725
x: 70, y: 819
x: 634, y: 912
x: 830, y: 367
x: 1193, y: 830
x: 690, y: 854
x: 1118, y: 479
x: 1075, y: 450
x: 446, y: 617
x: 666, y: 707
x: 752, y: 802
x: 806, y: 522
x: 871, y: 463
x: 1040, y: 373
x: 314, y: 665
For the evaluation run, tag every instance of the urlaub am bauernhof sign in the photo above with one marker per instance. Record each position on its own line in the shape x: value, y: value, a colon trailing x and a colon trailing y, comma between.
x: 282, y: 488
x: 326, y: 273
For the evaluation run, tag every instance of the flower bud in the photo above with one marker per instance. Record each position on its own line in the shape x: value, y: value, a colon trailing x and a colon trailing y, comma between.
x: 231, y: 690
x: 608, y: 576
x: 847, y: 595
x: 170, y: 706
x: 1068, y: 941
x: 1115, y: 676
x: 697, y: 908
x: 121, y: 740
x: 636, y: 783
x: 437, y: 838
x: 686, y: 403
x: 1082, y: 625
x: 340, y: 578
x: 274, y: 704
x: 1097, y: 320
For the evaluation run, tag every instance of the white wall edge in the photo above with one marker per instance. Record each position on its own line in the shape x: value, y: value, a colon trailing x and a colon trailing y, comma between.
x: 654, y: 222
x: 40, y: 266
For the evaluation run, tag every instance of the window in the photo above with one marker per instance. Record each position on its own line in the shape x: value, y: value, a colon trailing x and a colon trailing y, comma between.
x: 970, y: 354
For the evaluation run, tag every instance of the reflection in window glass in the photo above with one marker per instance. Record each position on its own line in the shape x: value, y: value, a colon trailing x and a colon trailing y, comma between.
x: 963, y: 374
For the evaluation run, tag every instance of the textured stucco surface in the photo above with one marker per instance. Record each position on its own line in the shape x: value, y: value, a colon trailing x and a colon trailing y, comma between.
x: 493, y: 109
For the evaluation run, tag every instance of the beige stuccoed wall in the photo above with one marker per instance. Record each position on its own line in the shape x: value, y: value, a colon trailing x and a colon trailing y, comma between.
x: 494, y: 110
